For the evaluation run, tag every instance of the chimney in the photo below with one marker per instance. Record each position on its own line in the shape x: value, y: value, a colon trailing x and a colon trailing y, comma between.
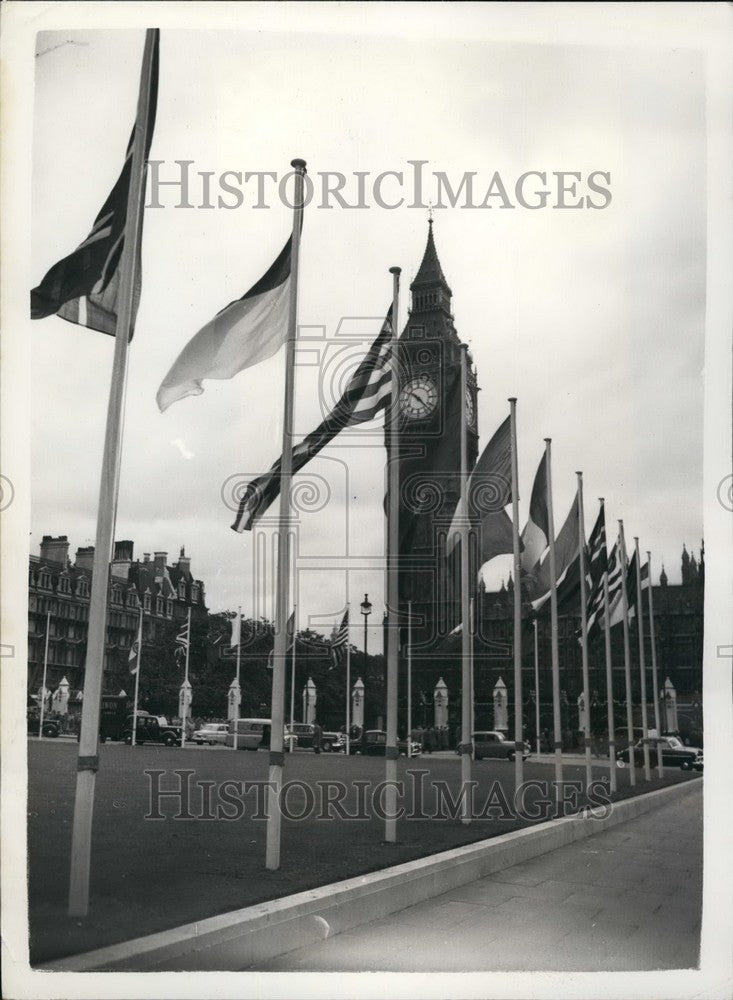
x: 85, y: 558
x: 184, y: 562
x: 122, y: 560
x: 55, y: 549
x: 161, y: 564
x: 146, y: 557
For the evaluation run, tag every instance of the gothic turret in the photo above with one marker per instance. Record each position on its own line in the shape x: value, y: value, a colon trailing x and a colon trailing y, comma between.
x: 663, y: 578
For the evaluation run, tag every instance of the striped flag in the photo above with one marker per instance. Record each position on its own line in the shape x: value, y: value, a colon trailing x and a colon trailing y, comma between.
x: 133, y: 660
x: 290, y: 628
x: 246, y: 332
x: 340, y: 639
x: 596, y: 565
x: 182, y: 641
x: 84, y: 287
x: 535, y: 535
x: 368, y: 392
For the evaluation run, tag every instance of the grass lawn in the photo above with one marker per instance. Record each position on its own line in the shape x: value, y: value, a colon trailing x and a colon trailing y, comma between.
x: 152, y: 874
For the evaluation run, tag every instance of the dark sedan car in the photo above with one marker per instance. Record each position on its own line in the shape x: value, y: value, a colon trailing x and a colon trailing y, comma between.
x: 491, y: 743
x: 373, y: 743
x: 674, y: 754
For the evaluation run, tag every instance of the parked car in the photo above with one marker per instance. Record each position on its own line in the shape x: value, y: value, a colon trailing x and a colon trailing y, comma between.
x: 373, y: 743
x: 149, y: 729
x: 303, y: 733
x: 51, y: 727
x: 211, y: 733
x: 674, y: 753
x: 494, y: 744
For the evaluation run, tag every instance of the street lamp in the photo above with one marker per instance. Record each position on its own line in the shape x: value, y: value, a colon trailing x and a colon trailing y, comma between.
x: 366, y: 610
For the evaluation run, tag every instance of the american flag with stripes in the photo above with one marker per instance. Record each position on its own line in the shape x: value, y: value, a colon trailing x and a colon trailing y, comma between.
x: 595, y: 604
x: 369, y: 391
x: 340, y: 639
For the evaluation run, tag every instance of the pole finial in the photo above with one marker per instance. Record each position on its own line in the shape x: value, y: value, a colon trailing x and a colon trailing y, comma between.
x: 430, y: 213
x: 548, y: 440
x: 298, y: 164
x: 395, y: 270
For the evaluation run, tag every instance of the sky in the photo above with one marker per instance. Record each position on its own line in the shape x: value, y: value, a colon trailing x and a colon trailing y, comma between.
x: 593, y: 318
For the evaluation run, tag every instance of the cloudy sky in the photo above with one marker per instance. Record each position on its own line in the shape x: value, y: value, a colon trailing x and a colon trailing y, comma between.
x: 594, y: 319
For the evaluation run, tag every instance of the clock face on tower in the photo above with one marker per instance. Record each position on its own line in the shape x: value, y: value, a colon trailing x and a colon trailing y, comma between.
x: 418, y: 397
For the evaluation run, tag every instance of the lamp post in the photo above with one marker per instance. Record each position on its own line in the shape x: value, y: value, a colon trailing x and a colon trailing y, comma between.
x: 366, y: 610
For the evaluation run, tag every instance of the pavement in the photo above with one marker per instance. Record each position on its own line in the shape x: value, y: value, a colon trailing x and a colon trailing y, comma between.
x: 623, y: 900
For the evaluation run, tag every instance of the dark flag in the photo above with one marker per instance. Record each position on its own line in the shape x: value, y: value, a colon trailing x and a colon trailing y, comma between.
x: 368, y: 392
x: 535, y: 536
x: 340, y: 640
x: 567, y: 564
x: 83, y: 288
x: 596, y: 565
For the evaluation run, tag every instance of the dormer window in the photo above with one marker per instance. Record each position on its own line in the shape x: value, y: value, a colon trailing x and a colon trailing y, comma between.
x: 159, y: 605
x: 146, y: 602
x: 194, y: 593
x: 44, y: 579
x: 169, y: 608
x: 182, y: 590
x: 132, y: 598
x: 64, y: 585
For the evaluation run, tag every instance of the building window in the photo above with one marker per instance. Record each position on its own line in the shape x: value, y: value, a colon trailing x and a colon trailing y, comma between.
x: 159, y: 605
x: 146, y: 602
x: 169, y: 609
x: 194, y: 594
x: 44, y: 580
x: 82, y: 588
x: 182, y: 590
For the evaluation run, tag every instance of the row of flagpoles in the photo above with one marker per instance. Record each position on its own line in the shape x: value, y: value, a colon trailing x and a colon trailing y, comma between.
x: 98, y: 285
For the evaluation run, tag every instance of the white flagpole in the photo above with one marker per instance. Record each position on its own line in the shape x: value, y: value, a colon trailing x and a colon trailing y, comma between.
x: 292, y: 684
x: 45, y: 672
x: 393, y: 585
x: 235, y: 741
x: 556, y: 719
x: 518, y: 728
x: 185, y: 681
x: 627, y: 655
x: 472, y: 624
x: 88, y: 760
x: 466, y: 732
x: 285, y: 541
x: 409, y: 678
x: 348, y: 677
x: 137, y: 678
x: 584, y: 633
x: 642, y: 666
x: 655, y: 682
x: 537, y: 687
x: 609, y: 680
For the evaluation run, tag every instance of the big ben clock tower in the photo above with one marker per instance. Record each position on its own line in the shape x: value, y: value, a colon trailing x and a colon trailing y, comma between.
x: 429, y: 372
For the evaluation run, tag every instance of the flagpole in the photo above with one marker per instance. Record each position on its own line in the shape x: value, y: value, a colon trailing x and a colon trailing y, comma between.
x: 518, y: 729
x: 88, y: 760
x: 537, y: 687
x: 393, y: 585
x: 235, y: 741
x: 137, y: 678
x: 642, y: 667
x: 655, y: 682
x: 609, y: 678
x: 45, y: 671
x: 277, y: 760
x: 584, y: 634
x: 472, y: 628
x: 409, y: 678
x: 627, y: 655
x: 348, y: 676
x: 556, y: 720
x: 291, y: 746
x: 185, y: 681
x: 466, y: 732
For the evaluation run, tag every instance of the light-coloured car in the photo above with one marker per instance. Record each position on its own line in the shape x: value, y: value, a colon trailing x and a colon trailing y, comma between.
x: 211, y: 733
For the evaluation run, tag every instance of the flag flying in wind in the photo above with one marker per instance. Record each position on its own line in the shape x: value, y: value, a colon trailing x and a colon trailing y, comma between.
x: 368, y: 392
x: 536, y: 533
x: 596, y: 566
x: 84, y: 287
x: 133, y: 660
x: 182, y: 641
x: 236, y: 631
x: 340, y: 640
x: 488, y: 492
x: 246, y: 332
x: 290, y: 631
x: 566, y: 563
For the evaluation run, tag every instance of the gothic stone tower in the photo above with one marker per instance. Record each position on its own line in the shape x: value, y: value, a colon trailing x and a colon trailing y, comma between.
x: 430, y: 454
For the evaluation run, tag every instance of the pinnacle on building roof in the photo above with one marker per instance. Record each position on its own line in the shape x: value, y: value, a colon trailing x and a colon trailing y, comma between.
x: 430, y: 272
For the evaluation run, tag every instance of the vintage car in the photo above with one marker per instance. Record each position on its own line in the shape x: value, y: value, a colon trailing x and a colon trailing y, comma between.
x: 303, y: 733
x: 494, y: 744
x: 373, y: 743
x: 674, y: 753
x: 149, y: 729
x: 211, y: 733
x: 51, y: 727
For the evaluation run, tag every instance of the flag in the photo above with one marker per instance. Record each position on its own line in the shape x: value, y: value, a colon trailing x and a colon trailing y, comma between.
x: 236, y: 630
x: 488, y: 491
x: 615, y: 602
x: 182, y: 640
x: 566, y: 560
x: 368, y: 392
x: 83, y: 288
x: 244, y: 333
x: 290, y: 630
x: 596, y: 565
x: 645, y: 582
x: 536, y: 533
x: 340, y: 639
x: 133, y: 660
